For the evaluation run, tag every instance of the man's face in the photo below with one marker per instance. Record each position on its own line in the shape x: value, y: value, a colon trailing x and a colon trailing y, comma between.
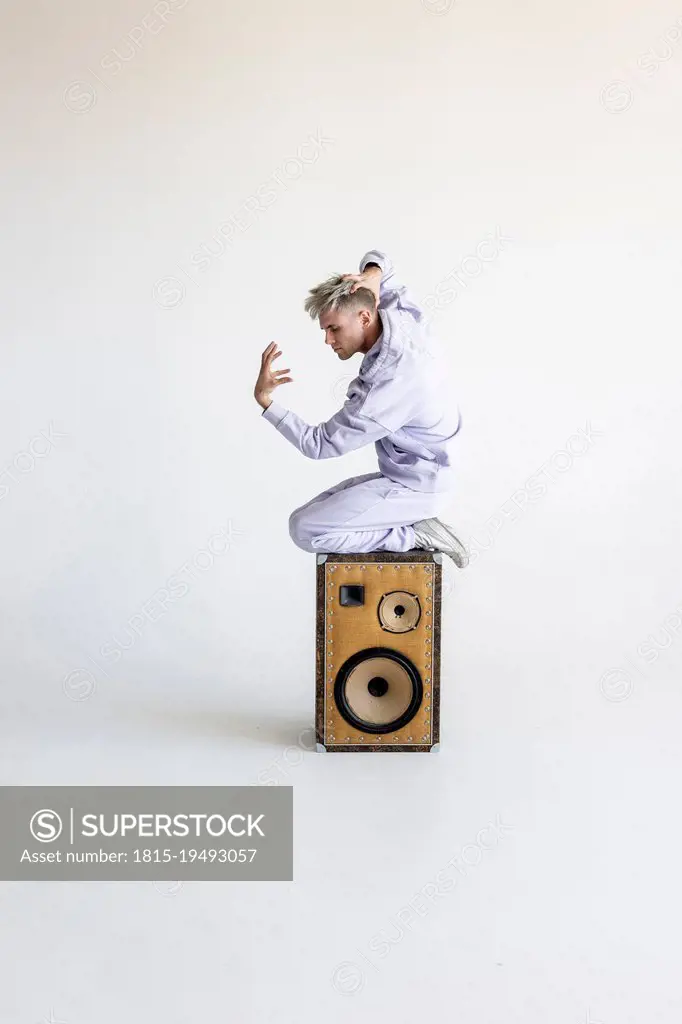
x: 345, y: 332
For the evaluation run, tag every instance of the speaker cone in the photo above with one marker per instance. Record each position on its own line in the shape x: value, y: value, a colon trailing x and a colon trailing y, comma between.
x: 378, y: 690
x: 399, y: 611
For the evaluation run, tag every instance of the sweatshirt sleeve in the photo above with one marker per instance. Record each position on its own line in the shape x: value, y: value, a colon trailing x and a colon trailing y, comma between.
x: 350, y: 428
x: 392, y: 294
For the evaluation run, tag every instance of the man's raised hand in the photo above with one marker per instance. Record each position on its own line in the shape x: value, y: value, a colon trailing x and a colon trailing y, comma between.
x: 269, y: 379
x: 370, y: 278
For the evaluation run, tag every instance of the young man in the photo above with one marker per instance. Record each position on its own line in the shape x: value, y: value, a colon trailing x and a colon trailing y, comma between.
x: 399, y: 402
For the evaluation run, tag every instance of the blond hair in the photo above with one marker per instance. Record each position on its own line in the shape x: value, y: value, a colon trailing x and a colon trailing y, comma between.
x: 335, y: 293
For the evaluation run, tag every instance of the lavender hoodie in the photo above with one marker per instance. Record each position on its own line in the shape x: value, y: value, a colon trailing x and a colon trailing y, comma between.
x: 399, y: 401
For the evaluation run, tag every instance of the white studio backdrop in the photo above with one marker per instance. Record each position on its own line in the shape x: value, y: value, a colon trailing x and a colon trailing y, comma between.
x: 175, y: 177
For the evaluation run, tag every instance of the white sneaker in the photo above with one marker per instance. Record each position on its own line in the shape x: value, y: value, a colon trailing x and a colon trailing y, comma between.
x: 433, y: 534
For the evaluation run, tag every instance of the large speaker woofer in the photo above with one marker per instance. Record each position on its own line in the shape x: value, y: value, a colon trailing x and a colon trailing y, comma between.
x: 378, y: 690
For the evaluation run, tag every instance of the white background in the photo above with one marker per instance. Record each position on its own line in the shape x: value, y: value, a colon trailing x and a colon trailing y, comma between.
x: 448, y: 123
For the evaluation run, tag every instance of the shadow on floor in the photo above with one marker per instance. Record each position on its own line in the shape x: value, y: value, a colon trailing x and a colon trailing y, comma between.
x: 259, y: 727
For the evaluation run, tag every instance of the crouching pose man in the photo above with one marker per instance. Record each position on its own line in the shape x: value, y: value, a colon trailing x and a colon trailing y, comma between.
x: 399, y: 401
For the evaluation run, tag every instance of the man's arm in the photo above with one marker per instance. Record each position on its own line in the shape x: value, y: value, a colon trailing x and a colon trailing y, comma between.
x: 368, y: 414
x: 365, y: 417
x: 392, y: 294
x: 347, y: 430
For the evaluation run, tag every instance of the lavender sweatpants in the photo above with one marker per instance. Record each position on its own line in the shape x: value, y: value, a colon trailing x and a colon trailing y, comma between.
x: 364, y: 513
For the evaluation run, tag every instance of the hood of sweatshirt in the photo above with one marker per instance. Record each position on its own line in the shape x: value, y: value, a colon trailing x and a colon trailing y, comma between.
x: 398, y: 342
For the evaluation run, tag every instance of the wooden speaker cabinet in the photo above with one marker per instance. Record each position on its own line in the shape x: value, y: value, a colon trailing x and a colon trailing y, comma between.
x: 378, y: 651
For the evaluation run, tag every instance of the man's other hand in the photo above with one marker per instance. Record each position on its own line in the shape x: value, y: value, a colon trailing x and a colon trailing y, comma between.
x: 269, y: 379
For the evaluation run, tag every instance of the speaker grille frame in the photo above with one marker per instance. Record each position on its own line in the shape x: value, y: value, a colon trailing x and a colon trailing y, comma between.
x: 327, y: 740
